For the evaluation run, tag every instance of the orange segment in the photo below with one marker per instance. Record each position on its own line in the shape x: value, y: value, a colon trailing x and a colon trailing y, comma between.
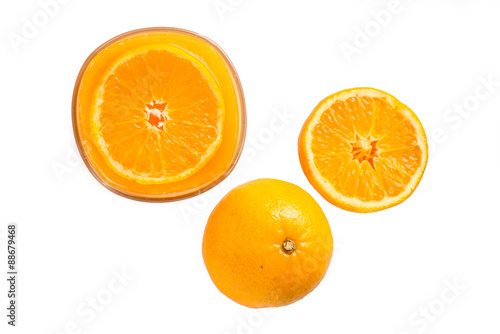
x: 157, y: 115
x: 363, y: 150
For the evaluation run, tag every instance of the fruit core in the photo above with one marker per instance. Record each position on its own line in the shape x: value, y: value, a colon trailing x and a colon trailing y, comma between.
x: 364, y: 149
x: 156, y: 114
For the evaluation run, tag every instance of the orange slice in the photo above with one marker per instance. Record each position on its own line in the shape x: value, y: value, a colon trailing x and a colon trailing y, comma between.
x: 363, y: 150
x: 157, y: 115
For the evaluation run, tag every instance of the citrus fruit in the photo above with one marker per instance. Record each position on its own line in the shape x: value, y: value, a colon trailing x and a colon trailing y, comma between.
x: 363, y: 150
x: 267, y: 244
x: 157, y: 114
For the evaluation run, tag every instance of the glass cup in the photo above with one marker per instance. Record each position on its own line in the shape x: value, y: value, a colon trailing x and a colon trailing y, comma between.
x: 214, y: 58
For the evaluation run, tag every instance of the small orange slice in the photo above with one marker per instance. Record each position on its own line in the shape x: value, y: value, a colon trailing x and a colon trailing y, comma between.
x: 157, y: 115
x: 363, y: 150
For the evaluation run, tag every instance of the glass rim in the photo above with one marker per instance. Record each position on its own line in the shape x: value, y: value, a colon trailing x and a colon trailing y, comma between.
x: 186, y: 194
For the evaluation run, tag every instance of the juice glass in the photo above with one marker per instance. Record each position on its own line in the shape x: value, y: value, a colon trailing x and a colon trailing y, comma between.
x: 233, y: 136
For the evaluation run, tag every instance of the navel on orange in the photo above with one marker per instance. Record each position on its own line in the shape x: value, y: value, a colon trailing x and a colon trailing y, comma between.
x: 157, y: 115
x: 267, y: 244
x: 363, y: 150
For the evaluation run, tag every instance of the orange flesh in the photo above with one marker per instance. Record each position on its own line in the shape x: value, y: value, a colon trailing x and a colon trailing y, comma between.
x: 158, y: 117
x: 224, y: 157
x: 366, y: 148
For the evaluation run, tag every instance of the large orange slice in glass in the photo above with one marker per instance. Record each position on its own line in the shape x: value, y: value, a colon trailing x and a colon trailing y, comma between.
x: 157, y: 115
x: 363, y: 150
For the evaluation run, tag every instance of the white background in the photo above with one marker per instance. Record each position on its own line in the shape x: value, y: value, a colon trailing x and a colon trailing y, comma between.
x: 387, y: 267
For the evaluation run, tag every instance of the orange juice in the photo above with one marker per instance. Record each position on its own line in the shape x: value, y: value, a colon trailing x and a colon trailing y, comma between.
x: 105, y: 114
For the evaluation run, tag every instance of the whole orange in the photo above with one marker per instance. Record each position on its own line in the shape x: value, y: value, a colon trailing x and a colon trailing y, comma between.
x: 267, y: 244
